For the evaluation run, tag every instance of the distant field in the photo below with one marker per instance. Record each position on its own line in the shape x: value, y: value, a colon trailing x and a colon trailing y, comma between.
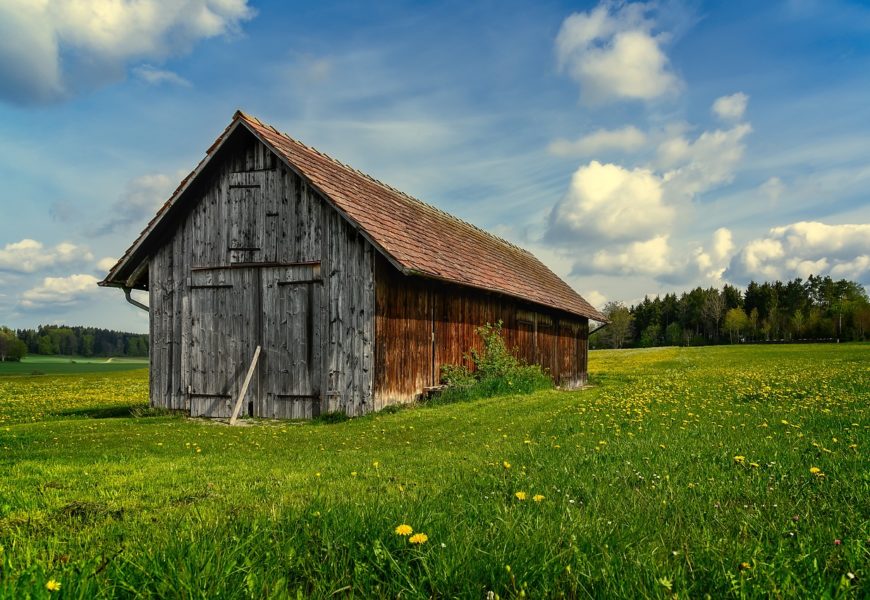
x: 729, y: 472
x: 53, y: 365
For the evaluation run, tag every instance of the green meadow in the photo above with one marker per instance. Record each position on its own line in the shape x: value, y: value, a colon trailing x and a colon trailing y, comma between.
x: 56, y: 365
x: 690, y: 472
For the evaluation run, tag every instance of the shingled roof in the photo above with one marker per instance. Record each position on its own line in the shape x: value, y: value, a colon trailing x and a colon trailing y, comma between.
x: 416, y: 237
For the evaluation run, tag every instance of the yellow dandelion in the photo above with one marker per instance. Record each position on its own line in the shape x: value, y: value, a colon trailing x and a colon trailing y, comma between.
x: 419, y: 538
x: 353, y: 473
x: 739, y: 459
x: 376, y: 464
x: 404, y: 530
x: 815, y: 470
x: 538, y: 497
x: 506, y: 465
x: 520, y: 496
x: 744, y: 566
x: 754, y: 465
x: 52, y: 585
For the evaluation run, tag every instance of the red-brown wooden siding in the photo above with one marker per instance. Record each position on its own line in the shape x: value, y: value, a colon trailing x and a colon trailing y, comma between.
x: 409, y: 310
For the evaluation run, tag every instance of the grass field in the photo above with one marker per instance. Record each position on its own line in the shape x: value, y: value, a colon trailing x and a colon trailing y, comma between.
x: 731, y: 471
x: 56, y: 365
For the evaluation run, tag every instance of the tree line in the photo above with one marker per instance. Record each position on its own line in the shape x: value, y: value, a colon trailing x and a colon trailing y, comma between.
x: 70, y: 341
x: 818, y: 309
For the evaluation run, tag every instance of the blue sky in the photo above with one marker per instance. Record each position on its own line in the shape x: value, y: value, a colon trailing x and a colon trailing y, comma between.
x: 635, y: 148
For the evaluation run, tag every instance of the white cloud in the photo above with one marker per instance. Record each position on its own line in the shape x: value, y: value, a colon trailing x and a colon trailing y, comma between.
x: 612, y: 52
x: 855, y: 270
x: 649, y: 257
x: 700, y: 165
x: 626, y: 139
x: 722, y: 243
x: 773, y: 189
x: 731, y: 108
x: 804, y: 248
x: 52, y: 49
x: 607, y: 201
x: 139, y: 202
x: 60, y: 291
x: 30, y: 255
x: 105, y: 264
x: 154, y: 76
x: 595, y: 298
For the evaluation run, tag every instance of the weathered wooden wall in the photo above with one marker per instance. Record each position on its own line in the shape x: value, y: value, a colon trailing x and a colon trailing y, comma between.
x: 260, y: 258
x: 421, y: 324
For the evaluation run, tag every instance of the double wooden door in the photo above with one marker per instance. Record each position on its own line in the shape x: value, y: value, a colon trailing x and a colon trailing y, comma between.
x: 235, y: 309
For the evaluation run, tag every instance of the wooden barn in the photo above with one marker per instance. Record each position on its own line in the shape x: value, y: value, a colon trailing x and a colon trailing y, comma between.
x: 354, y: 292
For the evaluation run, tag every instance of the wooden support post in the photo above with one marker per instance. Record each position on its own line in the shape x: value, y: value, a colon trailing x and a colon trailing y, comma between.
x: 245, y: 385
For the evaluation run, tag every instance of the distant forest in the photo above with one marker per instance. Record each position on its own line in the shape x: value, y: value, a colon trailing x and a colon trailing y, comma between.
x: 70, y: 341
x: 818, y: 309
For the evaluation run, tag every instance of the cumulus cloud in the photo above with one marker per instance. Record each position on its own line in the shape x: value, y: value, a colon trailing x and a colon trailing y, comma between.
x: 154, y: 76
x: 51, y: 50
x: 595, y: 298
x: 59, y: 291
x: 607, y: 201
x: 29, y: 255
x: 140, y: 201
x: 731, y: 108
x: 614, y: 52
x: 627, y: 139
x: 105, y: 264
x: 805, y: 248
x: 649, y: 257
x: 722, y: 243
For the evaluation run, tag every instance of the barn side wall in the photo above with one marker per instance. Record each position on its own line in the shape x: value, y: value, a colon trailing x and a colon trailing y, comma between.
x: 421, y: 324
x: 248, y: 210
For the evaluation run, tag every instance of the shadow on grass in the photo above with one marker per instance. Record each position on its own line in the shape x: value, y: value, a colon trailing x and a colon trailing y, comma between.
x: 117, y: 412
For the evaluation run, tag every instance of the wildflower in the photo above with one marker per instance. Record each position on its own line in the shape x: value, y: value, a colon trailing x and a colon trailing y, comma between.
x: 537, y: 497
x: 506, y: 465
x: 404, y: 530
x: 520, y: 496
x: 419, y: 538
x: 317, y: 474
x: 838, y: 542
x: 376, y: 464
x: 745, y: 566
x: 739, y: 459
x: 52, y: 585
x: 353, y: 473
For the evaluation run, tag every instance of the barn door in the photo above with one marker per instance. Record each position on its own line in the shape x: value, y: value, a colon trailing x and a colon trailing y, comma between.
x: 224, y: 331
x: 290, y: 364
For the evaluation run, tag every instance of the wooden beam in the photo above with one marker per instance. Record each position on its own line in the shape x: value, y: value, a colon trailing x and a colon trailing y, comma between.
x: 136, y: 274
x: 245, y: 385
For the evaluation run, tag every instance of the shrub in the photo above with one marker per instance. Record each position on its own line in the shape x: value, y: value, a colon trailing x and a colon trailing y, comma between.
x: 497, y: 371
